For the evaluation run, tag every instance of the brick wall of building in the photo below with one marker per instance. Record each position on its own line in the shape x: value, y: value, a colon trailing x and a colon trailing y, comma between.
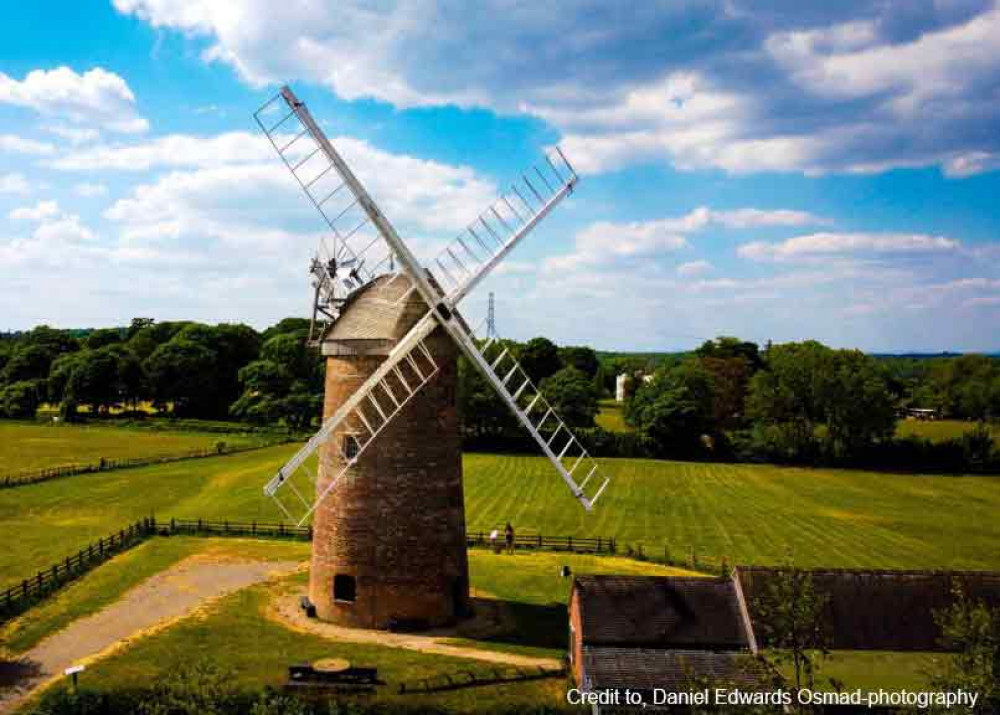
x: 396, y: 522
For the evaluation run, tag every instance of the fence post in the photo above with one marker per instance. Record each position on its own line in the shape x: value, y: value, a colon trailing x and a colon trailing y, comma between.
x: 253, y: 528
x: 172, y: 525
x: 599, y: 549
x: 199, y: 524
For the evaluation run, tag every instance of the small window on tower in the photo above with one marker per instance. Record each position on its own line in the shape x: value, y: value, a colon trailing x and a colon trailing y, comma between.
x: 344, y: 588
x: 351, y: 447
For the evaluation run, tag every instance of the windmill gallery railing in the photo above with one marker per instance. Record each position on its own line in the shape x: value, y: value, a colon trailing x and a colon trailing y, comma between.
x: 18, y: 598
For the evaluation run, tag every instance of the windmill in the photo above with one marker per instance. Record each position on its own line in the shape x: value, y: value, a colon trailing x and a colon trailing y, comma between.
x: 385, y: 498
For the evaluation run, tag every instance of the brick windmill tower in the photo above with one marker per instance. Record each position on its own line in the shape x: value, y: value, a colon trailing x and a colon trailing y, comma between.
x: 382, y: 478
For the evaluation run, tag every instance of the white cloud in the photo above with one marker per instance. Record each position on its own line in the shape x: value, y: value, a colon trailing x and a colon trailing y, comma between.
x: 173, y: 150
x: 14, y: 184
x: 606, y: 241
x: 971, y: 163
x: 20, y: 145
x: 95, y: 98
x: 75, y: 135
x: 39, y: 212
x: 818, y: 244
x: 693, y: 268
x: 852, y: 88
x: 89, y: 190
x: 424, y: 195
x: 932, y: 67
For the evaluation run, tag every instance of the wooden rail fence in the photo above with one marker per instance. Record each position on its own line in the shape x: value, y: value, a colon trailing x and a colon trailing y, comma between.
x: 580, y: 544
x: 31, y: 476
x: 18, y: 598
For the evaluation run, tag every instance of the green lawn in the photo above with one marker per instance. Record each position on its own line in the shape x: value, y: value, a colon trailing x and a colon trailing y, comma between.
x: 25, y: 445
x: 744, y: 513
x: 874, y: 670
x: 237, y: 635
x: 109, y: 581
x: 611, y: 417
x: 940, y: 430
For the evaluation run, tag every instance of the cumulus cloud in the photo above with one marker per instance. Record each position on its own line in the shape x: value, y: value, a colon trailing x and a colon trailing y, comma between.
x: 89, y: 190
x: 14, y: 184
x: 693, y: 268
x: 21, y: 145
x: 606, y: 241
x: 819, y: 244
x: 39, y: 212
x: 96, y: 98
x: 839, y: 87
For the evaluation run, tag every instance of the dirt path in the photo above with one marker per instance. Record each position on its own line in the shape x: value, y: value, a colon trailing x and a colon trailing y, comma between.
x: 155, y: 603
x: 285, y: 610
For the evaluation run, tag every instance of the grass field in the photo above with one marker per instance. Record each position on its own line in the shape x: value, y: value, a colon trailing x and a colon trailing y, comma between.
x: 940, y: 430
x: 238, y: 636
x: 257, y: 652
x: 25, y: 445
x: 745, y: 513
x: 611, y: 417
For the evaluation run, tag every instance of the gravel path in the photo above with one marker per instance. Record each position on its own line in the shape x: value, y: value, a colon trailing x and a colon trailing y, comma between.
x: 153, y: 604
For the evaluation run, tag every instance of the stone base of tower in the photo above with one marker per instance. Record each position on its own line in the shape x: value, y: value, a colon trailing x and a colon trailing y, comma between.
x: 389, y: 541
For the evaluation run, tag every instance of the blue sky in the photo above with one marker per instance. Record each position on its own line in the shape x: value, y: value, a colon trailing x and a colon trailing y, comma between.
x: 784, y: 172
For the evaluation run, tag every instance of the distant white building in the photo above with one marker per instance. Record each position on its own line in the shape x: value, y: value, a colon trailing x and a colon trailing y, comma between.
x: 620, y: 387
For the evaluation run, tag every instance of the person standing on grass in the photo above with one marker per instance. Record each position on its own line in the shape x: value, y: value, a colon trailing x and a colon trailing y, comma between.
x: 494, y: 535
x: 509, y: 536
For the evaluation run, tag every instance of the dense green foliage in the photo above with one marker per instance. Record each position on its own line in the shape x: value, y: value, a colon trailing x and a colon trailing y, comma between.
x: 184, y: 369
x: 971, y: 629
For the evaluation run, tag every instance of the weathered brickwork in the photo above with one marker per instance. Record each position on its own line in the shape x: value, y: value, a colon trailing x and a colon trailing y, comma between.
x: 396, y: 522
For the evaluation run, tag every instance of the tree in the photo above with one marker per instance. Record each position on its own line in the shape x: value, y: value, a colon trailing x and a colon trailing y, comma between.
x: 728, y: 348
x: 540, y: 358
x: 21, y: 399
x: 583, y: 359
x: 859, y: 409
x: 793, y: 622
x: 104, y: 337
x: 674, y: 410
x: 971, y: 629
x: 483, y: 413
x: 805, y: 386
x: 181, y: 373
x: 571, y: 393
x: 29, y: 362
x: 286, y: 383
x: 94, y: 380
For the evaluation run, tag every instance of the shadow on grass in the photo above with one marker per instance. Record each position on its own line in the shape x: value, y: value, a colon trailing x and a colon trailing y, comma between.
x: 17, y: 672
x: 522, y: 624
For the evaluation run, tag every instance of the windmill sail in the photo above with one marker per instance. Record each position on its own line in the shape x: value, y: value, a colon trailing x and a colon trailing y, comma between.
x: 363, y: 416
x: 503, y: 225
x: 498, y: 229
x: 354, y: 252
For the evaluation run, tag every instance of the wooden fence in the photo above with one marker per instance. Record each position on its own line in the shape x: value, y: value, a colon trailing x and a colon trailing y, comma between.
x: 253, y: 529
x: 31, y: 476
x: 18, y: 598
x: 581, y: 544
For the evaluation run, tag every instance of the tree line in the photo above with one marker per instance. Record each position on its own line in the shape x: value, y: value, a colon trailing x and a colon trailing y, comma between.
x: 186, y: 369
x: 728, y: 399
